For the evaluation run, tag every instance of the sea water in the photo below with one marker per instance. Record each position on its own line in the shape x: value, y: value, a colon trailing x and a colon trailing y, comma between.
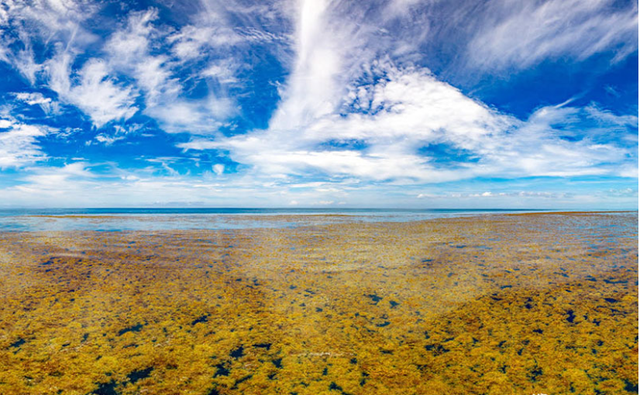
x: 132, y: 219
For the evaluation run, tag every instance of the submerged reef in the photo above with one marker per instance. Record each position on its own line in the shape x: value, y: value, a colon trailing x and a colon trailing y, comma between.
x: 495, y: 304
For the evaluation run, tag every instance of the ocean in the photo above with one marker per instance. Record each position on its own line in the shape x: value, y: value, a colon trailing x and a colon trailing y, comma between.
x: 133, y: 219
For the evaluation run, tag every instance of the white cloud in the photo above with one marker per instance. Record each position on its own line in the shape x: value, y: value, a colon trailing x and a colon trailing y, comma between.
x: 19, y: 144
x: 58, y: 178
x: 399, y: 117
x: 222, y: 71
x: 218, y: 168
x: 521, y: 34
x: 326, y: 49
x: 36, y: 98
x: 192, y: 41
x: 607, y: 117
x: 106, y: 139
x: 99, y: 96
x: 130, y: 53
x: 33, y: 98
x: 47, y: 22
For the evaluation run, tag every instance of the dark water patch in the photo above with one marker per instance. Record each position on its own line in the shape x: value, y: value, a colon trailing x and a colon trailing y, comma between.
x: 237, y: 353
x: 393, y: 303
x: 335, y: 387
x: 353, y: 361
x: 17, y: 343
x: 138, y: 375
x: 263, y: 345
x: 540, y: 331
x: 611, y: 300
x: 375, y: 298
x: 277, y: 363
x: 630, y: 387
x: 506, y: 286
x: 134, y: 328
x: 318, y: 310
x: 570, y: 316
x: 437, y: 349
x: 221, y: 370
x: 382, y: 325
x: 49, y: 261
x: 214, y: 391
x: 611, y: 281
x: 106, y: 389
x: 535, y: 373
x: 202, y: 318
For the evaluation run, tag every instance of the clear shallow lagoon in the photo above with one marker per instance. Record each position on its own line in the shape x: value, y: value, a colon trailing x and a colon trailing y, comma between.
x: 130, y: 219
x: 478, y: 304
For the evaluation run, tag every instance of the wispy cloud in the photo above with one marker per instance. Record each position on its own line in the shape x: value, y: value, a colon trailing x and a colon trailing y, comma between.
x: 398, y: 123
x: 313, y: 100
x: 43, y: 23
x: 99, y: 96
x: 130, y: 52
x: 36, y: 98
x: 514, y: 34
x: 19, y: 144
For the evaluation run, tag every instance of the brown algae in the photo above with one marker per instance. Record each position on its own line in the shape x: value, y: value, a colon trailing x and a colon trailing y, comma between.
x: 497, y: 304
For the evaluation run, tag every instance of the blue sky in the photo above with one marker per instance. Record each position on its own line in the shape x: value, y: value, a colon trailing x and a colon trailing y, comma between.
x: 317, y: 103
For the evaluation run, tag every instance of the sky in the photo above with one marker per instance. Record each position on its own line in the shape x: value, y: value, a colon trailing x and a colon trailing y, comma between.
x: 318, y: 103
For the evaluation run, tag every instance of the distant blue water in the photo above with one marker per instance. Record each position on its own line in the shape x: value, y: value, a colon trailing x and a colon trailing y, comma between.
x: 128, y: 219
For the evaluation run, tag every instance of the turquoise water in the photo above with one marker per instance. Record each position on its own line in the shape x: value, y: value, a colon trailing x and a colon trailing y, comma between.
x: 130, y: 219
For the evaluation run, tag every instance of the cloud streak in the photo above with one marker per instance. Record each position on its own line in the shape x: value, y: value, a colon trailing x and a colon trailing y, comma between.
x: 523, y: 34
x: 19, y: 144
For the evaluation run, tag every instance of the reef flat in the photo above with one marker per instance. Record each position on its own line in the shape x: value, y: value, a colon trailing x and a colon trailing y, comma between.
x: 493, y: 304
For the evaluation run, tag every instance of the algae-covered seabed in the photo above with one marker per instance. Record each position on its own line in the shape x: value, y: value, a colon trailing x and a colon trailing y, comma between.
x: 497, y: 304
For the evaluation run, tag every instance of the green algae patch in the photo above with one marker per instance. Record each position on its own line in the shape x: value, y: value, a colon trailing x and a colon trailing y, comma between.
x: 501, y: 304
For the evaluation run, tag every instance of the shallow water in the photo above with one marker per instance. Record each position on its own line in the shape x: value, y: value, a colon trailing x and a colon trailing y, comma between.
x: 536, y: 303
x: 184, y: 219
